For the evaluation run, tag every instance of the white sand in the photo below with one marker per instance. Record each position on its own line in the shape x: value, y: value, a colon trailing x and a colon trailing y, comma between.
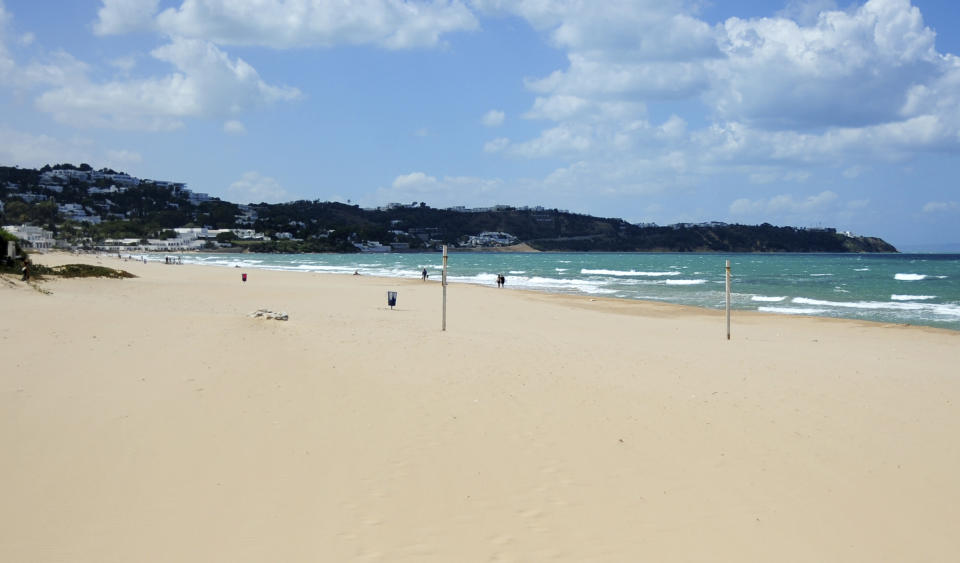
x: 150, y: 420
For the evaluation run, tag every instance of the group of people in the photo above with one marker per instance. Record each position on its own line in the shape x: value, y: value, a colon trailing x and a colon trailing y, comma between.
x: 501, y: 281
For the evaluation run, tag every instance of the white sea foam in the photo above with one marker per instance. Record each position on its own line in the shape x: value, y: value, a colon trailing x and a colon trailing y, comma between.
x: 910, y: 277
x: 861, y: 269
x: 819, y: 275
x: 539, y: 283
x: 627, y: 273
x: 946, y: 309
x: 685, y: 282
x: 896, y: 297
x: 585, y: 286
x: 792, y: 310
x: 517, y: 272
x: 560, y: 269
x: 765, y: 298
x: 319, y: 268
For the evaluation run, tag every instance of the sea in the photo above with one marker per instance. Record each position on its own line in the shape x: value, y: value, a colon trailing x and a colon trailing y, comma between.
x: 917, y: 289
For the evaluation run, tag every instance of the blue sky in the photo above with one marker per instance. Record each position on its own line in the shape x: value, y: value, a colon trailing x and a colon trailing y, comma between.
x: 799, y: 112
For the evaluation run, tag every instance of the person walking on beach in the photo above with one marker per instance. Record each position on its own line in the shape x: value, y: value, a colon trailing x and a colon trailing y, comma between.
x: 424, y: 274
x: 26, y: 270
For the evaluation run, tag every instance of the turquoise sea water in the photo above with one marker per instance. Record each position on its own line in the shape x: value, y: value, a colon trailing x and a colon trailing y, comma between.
x: 919, y: 289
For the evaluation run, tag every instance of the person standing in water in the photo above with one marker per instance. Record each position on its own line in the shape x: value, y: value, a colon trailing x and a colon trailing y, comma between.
x: 424, y: 275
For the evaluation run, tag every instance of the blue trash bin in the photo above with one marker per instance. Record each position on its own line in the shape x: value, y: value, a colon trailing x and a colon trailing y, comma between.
x: 392, y: 299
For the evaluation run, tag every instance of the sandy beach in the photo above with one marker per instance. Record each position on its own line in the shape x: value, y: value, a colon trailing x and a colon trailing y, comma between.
x: 152, y: 420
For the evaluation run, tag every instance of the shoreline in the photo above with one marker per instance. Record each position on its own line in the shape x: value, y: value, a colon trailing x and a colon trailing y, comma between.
x: 735, y: 312
x: 151, y: 419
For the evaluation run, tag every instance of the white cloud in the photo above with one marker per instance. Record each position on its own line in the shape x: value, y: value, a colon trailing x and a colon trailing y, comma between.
x: 493, y: 118
x: 941, y: 207
x: 124, y: 64
x: 281, y: 24
x: 641, y: 29
x: 588, y: 76
x: 806, y: 12
x: 207, y: 84
x: 783, y: 205
x: 35, y: 150
x: 675, y: 127
x: 6, y: 61
x: 124, y: 16
x: 234, y: 127
x: 812, y: 86
x: 853, y: 172
x: 442, y: 192
x: 121, y: 157
x: 848, y: 69
x: 496, y: 145
x: 253, y: 187
x: 563, y: 139
x: 29, y: 150
x: 414, y: 180
x: 556, y: 108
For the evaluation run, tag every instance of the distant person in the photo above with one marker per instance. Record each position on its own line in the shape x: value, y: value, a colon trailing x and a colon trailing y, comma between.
x: 26, y: 270
x: 356, y: 272
x: 503, y: 280
x: 424, y: 275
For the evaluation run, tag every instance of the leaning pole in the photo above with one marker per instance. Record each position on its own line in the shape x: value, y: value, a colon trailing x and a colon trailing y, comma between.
x: 728, y: 300
x: 443, y: 282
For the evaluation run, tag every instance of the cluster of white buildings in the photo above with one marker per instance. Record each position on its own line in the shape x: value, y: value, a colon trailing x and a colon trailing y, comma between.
x: 79, y: 213
x: 54, y: 180
x: 187, y: 238
x: 32, y: 237
x: 64, y: 176
x: 492, y: 238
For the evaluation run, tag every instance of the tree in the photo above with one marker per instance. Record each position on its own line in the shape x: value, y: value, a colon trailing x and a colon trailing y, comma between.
x: 227, y: 236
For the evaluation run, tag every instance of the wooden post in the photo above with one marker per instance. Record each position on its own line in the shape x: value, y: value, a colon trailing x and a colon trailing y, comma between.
x: 728, y: 300
x: 443, y: 282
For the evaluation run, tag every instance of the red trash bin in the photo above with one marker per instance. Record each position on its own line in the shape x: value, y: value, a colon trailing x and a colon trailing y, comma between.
x: 244, y: 276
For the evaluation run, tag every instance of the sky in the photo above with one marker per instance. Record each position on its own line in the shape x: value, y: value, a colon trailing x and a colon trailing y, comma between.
x: 792, y: 112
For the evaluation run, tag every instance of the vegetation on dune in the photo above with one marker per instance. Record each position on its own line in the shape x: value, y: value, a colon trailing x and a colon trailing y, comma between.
x: 88, y: 271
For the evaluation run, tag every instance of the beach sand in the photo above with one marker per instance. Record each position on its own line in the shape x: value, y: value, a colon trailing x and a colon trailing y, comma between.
x: 151, y: 420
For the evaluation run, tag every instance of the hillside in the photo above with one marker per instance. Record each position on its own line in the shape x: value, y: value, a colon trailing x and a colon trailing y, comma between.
x: 87, y: 206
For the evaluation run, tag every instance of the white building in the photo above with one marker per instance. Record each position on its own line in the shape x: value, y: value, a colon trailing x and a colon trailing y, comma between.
x: 64, y: 175
x: 30, y: 197
x: 372, y: 246
x: 33, y: 237
x: 77, y: 212
x: 248, y: 234
x: 492, y: 238
x: 197, y: 198
x: 113, y: 189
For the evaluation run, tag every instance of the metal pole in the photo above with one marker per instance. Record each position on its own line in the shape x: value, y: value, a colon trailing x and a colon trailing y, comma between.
x: 443, y: 282
x: 728, y: 300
